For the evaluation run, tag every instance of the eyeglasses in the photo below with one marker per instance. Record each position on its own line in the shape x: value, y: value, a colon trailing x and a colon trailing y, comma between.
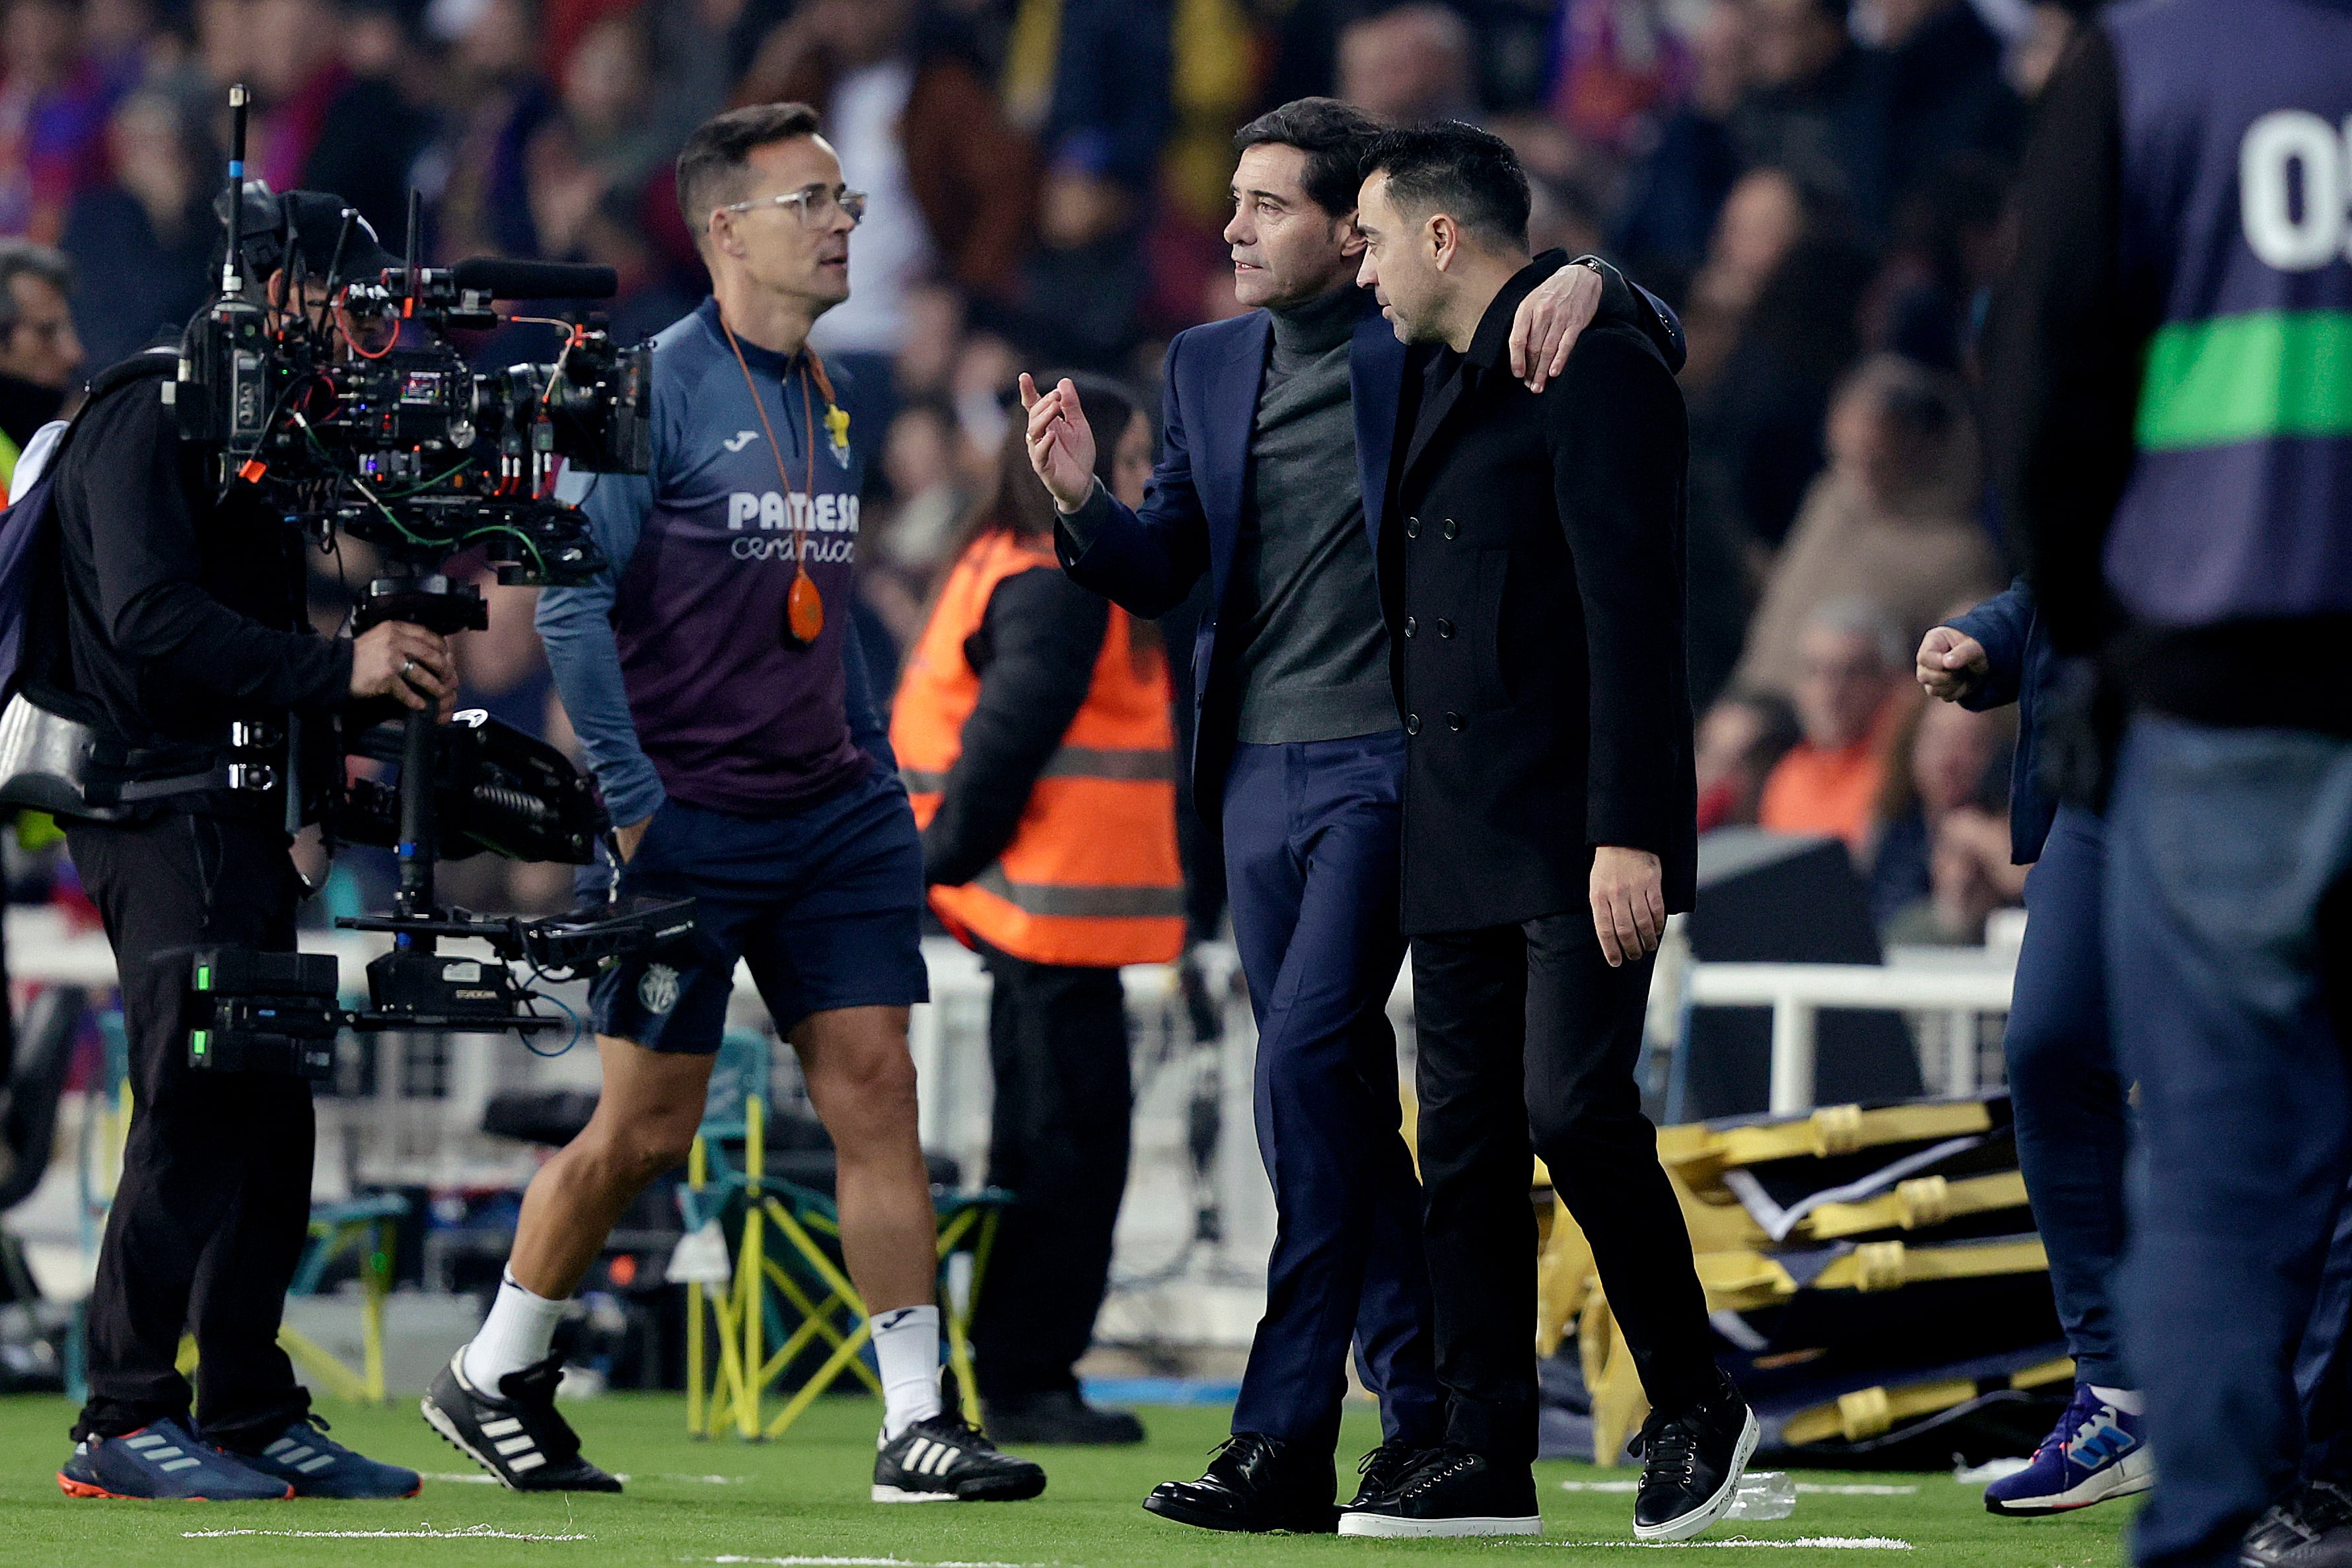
x: 816, y: 203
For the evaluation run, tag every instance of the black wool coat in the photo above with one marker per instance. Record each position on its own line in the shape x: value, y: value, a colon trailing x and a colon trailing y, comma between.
x: 1533, y: 580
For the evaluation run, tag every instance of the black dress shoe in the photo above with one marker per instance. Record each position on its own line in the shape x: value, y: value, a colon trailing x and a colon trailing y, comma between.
x: 1693, y: 1461
x: 1063, y: 1417
x: 1255, y: 1483
x: 2312, y: 1529
x: 1382, y: 1468
x: 1450, y: 1491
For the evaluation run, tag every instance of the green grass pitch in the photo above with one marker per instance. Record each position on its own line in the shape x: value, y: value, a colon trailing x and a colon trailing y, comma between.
x: 801, y: 1502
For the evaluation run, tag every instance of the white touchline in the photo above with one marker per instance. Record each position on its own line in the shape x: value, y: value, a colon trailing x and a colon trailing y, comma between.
x: 424, y: 1532
x: 860, y: 1563
x: 1822, y: 1542
x: 1825, y: 1489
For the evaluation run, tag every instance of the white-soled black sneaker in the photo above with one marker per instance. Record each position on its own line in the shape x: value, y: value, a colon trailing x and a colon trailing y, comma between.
x: 941, y: 1459
x: 1693, y: 1462
x: 517, y: 1434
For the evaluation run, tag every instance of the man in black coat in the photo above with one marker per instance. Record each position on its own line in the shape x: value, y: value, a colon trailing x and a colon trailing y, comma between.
x: 1534, y: 596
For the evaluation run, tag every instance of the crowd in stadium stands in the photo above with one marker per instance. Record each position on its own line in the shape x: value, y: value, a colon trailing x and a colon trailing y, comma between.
x: 1820, y: 191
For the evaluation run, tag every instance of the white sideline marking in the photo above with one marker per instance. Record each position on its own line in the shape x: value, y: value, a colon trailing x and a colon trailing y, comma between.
x: 476, y: 1478
x: 424, y: 1532
x: 1822, y: 1542
x: 861, y: 1563
x: 1824, y: 1489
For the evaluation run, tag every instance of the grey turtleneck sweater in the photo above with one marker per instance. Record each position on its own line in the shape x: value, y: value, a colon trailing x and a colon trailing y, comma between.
x: 1304, y: 612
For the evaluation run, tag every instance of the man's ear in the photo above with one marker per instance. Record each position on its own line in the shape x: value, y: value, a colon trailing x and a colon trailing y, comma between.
x: 1444, y: 241
x: 1351, y: 238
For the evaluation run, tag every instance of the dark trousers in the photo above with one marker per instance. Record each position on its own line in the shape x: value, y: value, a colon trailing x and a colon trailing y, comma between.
x: 1528, y: 1036
x: 214, y: 1206
x: 2067, y: 1097
x: 1311, y: 843
x: 1058, y: 1141
x: 2229, y: 940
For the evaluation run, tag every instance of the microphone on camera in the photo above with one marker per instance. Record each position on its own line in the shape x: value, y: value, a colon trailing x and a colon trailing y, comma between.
x: 503, y: 279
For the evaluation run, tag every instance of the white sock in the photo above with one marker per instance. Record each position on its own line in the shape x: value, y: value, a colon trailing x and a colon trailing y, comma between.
x: 518, y: 1331
x: 906, y: 1348
x: 2123, y: 1399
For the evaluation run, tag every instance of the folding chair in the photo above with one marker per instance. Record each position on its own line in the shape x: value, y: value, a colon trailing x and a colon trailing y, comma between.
x: 802, y: 1301
x: 369, y: 1222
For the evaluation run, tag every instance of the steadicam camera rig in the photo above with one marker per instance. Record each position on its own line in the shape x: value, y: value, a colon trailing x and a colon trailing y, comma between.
x: 338, y: 401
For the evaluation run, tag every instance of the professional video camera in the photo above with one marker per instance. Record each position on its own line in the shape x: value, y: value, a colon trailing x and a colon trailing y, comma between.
x: 341, y: 402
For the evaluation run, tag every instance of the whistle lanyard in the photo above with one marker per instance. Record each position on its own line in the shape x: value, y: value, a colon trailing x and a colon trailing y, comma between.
x: 803, y: 606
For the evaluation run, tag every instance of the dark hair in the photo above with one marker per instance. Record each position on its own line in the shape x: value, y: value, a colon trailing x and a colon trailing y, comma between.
x: 711, y: 164
x: 1334, y: 136
x: 24, y: 258
x: 1469, y: 175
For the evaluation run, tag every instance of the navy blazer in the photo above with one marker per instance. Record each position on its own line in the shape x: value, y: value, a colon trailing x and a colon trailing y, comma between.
x: 2020, y: 667
x: 1146, y: 561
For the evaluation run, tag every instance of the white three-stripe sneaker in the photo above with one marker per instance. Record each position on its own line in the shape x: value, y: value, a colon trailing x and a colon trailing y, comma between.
x: 517, y: 1434
x: 942, y: 1460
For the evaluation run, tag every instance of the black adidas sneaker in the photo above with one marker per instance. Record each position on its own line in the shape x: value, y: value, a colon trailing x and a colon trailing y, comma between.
x: 516, y: 1436
x: 941, y: 1459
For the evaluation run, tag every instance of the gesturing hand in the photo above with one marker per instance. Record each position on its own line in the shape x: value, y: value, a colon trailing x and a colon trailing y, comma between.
x: 1950, y: 663
x: 1629, y: 902
x: 1061, y: 443
x: 397, y: 660
x: 1550, y: 321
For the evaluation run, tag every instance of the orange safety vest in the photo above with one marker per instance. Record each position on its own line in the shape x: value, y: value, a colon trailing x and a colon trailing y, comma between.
x: 1091, y: 878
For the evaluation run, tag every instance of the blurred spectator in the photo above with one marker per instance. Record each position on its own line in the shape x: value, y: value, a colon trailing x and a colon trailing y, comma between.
x: 1950, y: 238
x: 1816, y: 107
x: 1757, y: 428
x: 907, y: 547
x: 150, y: 232
x: 1849, y: 693
x: 52, y: 117
x: 1102, y: 134
x: 1942, y: 859
x: 38, y: 351
x: 1676, y: 190
x: 2051, y: 28
x: 1410, y: 65
x: 1890, y: 520
x: 332, y: 117
x: 498, y: 103
x: 1760, y: 220
x: 1742, y: 738
x: 118, y: 39
x: 952, y: 185
x: 1945, y: 95
x: 1620, y: 61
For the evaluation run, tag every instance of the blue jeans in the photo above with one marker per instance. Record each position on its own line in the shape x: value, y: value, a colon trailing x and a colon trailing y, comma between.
x: 2066, y: 1094
x: 1311, y: 863
x: 2230, y: 911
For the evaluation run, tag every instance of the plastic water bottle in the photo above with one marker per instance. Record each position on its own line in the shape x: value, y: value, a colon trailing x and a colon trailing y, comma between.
x: 1764, y: 1494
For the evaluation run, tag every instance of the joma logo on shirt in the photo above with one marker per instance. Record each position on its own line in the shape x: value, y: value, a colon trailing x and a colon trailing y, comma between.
x: 769, y: 510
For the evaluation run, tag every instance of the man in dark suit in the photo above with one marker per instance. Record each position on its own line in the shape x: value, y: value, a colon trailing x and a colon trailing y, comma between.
x: 1533, y: 583
x: 1278, y: 430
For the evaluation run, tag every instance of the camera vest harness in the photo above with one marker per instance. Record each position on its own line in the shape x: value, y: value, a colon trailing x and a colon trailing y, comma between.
x: 1091, y: 878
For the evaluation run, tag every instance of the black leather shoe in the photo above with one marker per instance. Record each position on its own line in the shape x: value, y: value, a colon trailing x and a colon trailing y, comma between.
x: 1694, y: 1458
x: 1255, y: 1483
x: 1060, y: 1417
x: 2312, y: 1529
x: 1382, y: 1468
x: 1450, y: 1491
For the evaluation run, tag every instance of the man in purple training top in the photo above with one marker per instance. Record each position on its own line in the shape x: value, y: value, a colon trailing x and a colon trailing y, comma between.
x: 730, y: 724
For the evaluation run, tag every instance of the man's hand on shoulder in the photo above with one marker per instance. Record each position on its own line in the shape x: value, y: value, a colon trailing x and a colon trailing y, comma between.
x: 1629, y: 902
x: 397, y: 660
x: 1548, y: 321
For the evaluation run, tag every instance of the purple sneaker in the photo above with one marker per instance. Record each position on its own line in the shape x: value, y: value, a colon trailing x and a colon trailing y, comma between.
x: 2096, y: 1452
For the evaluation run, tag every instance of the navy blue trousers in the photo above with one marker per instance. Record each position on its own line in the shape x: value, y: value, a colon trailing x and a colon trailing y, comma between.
x: 1311, y: 846
x: 2066, y: 1094
x: 2229, y: 940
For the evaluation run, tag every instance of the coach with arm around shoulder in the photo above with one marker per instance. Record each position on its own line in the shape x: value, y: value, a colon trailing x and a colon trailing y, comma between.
x: 1277, y: 431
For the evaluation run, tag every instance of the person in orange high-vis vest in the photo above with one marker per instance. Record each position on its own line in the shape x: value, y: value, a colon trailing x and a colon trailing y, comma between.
x: 1034, y: 731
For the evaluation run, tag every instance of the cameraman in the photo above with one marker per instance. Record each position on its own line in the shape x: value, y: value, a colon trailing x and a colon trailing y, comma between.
x: 183, y: 611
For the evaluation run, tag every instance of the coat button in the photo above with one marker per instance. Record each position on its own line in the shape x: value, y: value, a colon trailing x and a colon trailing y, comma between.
x: 1413, y: 723
x: 1412, y: 528
x: 1411, y: 625
x: 1453, y: 721
x: 1445, y: 628
x: 1452, y: 528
